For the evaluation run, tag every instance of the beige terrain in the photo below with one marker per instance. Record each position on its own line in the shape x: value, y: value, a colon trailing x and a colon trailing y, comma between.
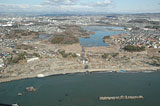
x: 91, y: 59
x: 54, y: 64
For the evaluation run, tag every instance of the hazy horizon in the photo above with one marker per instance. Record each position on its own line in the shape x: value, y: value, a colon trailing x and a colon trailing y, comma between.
x: 79, y: 6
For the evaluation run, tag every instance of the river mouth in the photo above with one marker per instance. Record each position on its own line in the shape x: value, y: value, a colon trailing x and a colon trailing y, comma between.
x: 96, y: 38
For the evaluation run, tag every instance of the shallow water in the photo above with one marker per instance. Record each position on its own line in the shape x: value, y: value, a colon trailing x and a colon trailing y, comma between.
x: 97, y: 38
x: 84, y: 89
x: 44, y: 36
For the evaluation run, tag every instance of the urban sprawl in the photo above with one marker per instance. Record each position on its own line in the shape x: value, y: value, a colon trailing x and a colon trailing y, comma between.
x: 38, y: 46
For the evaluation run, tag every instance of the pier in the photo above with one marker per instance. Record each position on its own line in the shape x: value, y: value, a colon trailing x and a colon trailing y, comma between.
x: 121, y: 98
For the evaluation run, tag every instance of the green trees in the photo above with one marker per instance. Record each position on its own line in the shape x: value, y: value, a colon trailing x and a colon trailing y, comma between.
x: 57, y: 39
x: 19, y: 57
x: 64, y: 40
x: 65, y: 55
x: 132, y: 48
x: 106, y: 37
x: 107, y: 55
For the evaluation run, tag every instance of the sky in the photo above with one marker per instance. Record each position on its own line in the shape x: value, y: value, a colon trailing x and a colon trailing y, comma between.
x: 81, y: 6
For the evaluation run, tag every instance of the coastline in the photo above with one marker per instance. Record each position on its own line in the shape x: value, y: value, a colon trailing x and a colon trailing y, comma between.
x: 64, y: 72
x: 56, y: 65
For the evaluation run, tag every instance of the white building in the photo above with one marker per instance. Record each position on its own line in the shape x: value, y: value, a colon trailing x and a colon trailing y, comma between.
x: 1, y: 63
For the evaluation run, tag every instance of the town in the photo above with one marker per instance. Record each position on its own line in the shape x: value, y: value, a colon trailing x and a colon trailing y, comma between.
x: 32, y: 46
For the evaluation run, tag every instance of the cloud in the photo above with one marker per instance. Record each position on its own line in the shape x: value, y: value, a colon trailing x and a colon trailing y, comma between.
x: 55, y: 6
x: 59, y: 2
x: 76, y: 6
x: 75, y: 2
x: 103, y: 3
x: 19, y: 7
x: 3, y: 5
x: 58, y: 6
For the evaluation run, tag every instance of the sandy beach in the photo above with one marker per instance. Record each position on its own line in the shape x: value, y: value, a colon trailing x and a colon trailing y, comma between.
x: 29, y: 74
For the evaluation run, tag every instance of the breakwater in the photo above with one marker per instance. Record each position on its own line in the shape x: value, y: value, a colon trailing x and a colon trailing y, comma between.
x: 121, y: 98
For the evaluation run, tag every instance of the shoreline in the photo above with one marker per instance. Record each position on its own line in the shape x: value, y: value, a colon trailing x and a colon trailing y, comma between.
x: 139, y: 70
x: 61, y: 66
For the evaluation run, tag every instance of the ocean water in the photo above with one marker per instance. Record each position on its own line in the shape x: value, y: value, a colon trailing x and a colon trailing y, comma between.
x: 83, y: 89
x: 97, y: 38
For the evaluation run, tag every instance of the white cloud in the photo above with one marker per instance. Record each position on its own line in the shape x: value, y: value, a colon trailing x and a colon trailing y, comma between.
x: 59, y: 2
x: 103, y: 3
x: 3, y: 5
x: 19, y: 7
x: 75, y: 6
x: 58, y: 6
x: 52, y: 6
